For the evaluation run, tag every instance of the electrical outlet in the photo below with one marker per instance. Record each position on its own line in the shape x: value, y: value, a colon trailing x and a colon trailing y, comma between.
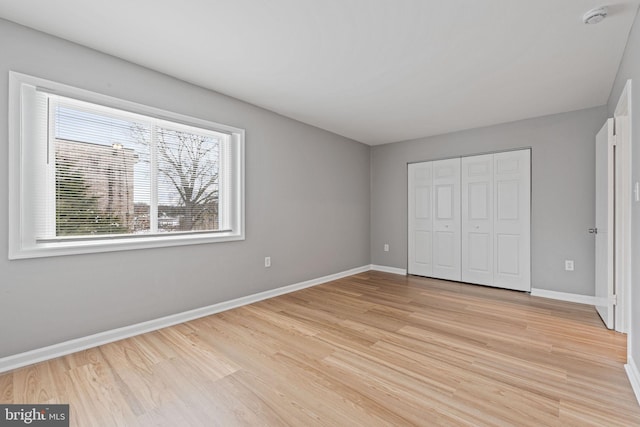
x: 267, y: 261
x: 568, y: 265
x: 386, y: 247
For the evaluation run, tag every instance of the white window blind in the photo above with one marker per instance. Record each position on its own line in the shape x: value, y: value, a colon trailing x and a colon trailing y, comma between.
x: 103, y: 174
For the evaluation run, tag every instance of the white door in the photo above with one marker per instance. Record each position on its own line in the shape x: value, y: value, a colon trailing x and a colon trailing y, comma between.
x: 512, y: 216
x: 420, y: 219
x: 477, y: 219
x: 605, y: 223
x: 446, y: 219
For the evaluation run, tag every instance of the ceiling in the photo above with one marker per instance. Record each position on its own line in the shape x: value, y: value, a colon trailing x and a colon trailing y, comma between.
x: 376, y: 71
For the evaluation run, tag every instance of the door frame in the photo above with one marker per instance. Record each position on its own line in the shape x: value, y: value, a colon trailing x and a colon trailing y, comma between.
x: 623, y: 205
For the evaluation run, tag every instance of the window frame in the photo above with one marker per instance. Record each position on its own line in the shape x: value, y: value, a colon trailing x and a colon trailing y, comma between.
x: 22, y: 236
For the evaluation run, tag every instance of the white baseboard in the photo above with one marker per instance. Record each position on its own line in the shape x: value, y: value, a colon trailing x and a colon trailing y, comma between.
x: 386, y: 269
x: 634, y: 376
x: 563, y: 296
x: 61, y: 349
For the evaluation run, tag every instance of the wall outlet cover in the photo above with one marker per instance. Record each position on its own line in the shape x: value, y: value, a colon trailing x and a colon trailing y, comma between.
x: 568, y: 265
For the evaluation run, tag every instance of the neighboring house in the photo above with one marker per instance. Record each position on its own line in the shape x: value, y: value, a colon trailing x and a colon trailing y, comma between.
x: 107, y: 171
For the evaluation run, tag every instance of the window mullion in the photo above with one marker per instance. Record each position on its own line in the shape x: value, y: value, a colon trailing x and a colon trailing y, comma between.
x: 153, y: 207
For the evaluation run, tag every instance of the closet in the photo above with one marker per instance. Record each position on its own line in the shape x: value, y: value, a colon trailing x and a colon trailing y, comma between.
x: 469, y: 219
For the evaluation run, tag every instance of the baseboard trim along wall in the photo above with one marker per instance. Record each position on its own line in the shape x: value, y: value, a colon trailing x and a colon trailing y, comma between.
x: 394, y: 270
x: 56, y: 350
x: 563, y: 296
x: 634, y: 376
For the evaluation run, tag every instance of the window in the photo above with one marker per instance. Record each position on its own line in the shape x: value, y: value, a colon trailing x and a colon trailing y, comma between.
x: 90, y: 173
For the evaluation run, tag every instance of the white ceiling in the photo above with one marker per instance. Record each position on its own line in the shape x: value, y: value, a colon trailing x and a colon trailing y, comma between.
x: 376, y: 71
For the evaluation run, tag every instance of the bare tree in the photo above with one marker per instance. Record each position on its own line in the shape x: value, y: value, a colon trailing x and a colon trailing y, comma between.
x: 189, y: 164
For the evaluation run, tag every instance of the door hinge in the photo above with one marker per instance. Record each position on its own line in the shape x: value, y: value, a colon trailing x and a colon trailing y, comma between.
x: 593, y: 230
x: 614, y: 299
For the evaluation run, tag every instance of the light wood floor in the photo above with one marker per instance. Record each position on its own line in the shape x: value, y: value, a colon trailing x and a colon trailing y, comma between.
x: 371, y: 349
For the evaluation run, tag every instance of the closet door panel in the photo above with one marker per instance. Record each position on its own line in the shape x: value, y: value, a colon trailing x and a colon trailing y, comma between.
x: 477, y: 219
x: 420, y: 219
x: 512, y: 194
x: 446, y: 221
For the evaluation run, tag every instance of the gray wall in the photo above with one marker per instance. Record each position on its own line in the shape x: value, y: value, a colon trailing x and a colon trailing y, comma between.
x: 562, y: 191
x: 307, y: 206
x: 630, y: 69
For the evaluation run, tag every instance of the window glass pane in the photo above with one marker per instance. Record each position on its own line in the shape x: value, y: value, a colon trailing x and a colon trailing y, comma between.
x: 102, y: 173
x: 188, y: 180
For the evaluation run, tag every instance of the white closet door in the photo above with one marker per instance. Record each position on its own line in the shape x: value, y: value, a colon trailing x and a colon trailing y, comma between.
x: 446, y: 219
x: 477, y: 219
x: 420, y: 219
x: 512, y: 201
x: 605, y: 225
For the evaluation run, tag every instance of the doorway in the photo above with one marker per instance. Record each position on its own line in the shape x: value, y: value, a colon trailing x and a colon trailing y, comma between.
x: 613, y: 216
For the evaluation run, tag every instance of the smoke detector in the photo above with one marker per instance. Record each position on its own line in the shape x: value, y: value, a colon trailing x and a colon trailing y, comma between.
x: 595, y: 15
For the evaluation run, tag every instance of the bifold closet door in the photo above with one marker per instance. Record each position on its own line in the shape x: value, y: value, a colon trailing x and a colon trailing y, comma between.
x: 477, y: 219
x: 420, y: 219
x: 446, y: 219
x: 469, y: 219
x: 511, y: 227
x: 434, y: 219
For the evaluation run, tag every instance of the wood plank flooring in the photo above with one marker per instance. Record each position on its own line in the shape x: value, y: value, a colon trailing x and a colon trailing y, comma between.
x: 372, y: 349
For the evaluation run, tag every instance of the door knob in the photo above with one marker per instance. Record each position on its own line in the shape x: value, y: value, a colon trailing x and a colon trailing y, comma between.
x: 593, y: 230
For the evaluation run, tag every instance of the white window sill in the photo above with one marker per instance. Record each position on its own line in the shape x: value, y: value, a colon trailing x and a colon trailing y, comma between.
x: 61, y: 248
